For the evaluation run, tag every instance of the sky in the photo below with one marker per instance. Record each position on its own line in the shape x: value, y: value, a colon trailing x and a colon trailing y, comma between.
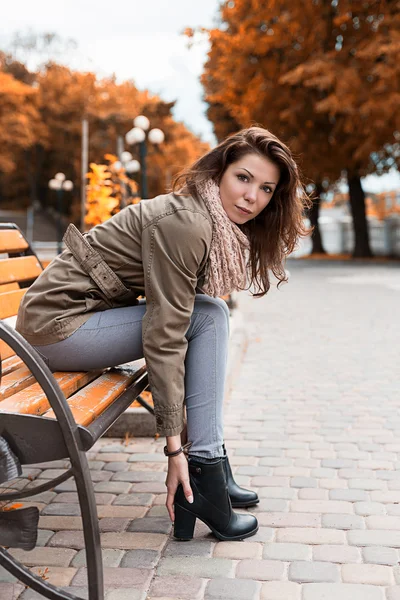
x: 139, y: 40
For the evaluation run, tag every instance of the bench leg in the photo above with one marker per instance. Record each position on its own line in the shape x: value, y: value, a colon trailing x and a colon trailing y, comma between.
x: 80, y: 469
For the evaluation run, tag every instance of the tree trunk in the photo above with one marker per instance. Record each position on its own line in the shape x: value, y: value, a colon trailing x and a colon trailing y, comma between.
x: 357, y: 204
x: 313, y: 214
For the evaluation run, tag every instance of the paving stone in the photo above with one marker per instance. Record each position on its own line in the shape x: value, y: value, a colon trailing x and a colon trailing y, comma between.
x: 62, y: 509
x: 367, y: 574
x: 181, y: 588
x: 45, y: 556
x: 238, y: 551
x: 125, y: 594
x: 157, y: 511
x: 371, y: 537
x: 72, y: 498
x: 43, y: 536
x: 264, y: 534
x: 386, y: 497
x: 140, y: 559
x: 343, y: 522
x: 6, y: 577
x: 151, y: 524
x: 151, y: 487
x: 113, y: 524
x: 252, y: 471
x: 349, y: 495
x: 196, y: 566
x: 112, y: 457
x: 344, y: 591
x: 271, y: 505
x: 337, y: 554
x: 287, y: 552
x: 369, y: 508
x: 119, y: 578
x: 321, y: 506
x: 132, y: 541
x: 302, y: 535
x: 232, y: 589
x: 111, y: 558
x: 289, y: 519
x: 58, y: 523
x: 380, y: 555
x: 10, y: 591
x: 113, y: 487
x: 280, y: 590
x: 393, y: 593
x: 139, y: 476
x: 277, y: 492
x: 133, y: 500
x: 58, y: 576
x: 147, y: 458
x: 121, y: 512
x: 367, y: 484
x: 193, y: 547
x: 383, y: 522
x: 116, y: 467
x: 308, y: 572
x: 313, y: 494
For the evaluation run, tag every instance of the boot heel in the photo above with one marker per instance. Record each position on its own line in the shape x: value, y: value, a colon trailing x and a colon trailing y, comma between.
x: 184, y: 524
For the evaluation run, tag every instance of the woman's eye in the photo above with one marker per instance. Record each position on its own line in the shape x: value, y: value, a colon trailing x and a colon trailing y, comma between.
x: 243, y: 177
x: 267, y: 190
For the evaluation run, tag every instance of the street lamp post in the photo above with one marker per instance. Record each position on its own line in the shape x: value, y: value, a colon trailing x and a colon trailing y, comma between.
x: 137, y: 135
x: 60, y: 184
x: 129, y: 165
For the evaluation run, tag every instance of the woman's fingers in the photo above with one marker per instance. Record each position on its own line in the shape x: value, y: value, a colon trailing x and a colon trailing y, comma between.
x: 187, y: 490
x: 170, y: 504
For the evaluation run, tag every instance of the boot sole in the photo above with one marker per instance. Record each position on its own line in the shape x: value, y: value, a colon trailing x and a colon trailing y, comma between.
x: 244, y: 504
x: 221, y: 537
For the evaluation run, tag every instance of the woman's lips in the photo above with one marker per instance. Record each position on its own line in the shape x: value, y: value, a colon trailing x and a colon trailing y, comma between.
x: 244, y: 211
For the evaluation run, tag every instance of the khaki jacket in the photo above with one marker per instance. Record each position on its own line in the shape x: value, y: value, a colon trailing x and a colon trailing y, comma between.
x: 157, y: 248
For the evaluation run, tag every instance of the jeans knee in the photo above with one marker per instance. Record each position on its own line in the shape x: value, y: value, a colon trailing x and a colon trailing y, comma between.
x: 217, y: 310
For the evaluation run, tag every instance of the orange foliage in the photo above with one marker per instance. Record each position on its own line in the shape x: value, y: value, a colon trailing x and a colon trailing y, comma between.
x: 323, y: 76
x: 107, y: 191
x: 40, y: 130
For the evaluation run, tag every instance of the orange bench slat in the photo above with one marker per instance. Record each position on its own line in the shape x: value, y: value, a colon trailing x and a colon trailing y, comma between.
x: 11, y: 240
x: 9, y: 303
x: 87, y: 404
x: 15, y: 381
x: 33, y: 401
x: 9, y: 287
x: 10, y: 364
x: 22, y: 268
x: 5, y: 350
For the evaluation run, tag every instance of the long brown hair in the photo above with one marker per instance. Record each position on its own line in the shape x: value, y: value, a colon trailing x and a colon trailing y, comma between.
x: 273, y: 234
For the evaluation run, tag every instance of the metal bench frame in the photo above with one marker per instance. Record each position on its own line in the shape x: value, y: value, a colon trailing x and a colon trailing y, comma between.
x: 74, y: 441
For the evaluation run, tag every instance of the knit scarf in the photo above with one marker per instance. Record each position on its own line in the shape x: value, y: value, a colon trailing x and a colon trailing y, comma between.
x: 227, y: 263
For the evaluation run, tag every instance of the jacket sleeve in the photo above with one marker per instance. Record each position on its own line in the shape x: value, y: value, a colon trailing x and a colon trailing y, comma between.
x: 174, y: 248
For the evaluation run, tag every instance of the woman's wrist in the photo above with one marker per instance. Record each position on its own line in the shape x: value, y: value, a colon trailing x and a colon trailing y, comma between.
x: 173, y: 442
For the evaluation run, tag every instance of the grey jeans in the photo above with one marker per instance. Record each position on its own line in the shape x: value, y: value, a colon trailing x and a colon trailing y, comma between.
x: 112, y: 337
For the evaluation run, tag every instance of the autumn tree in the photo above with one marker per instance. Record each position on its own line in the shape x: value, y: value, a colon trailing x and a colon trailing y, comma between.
x: 288, y: 66
x: 62, y: 97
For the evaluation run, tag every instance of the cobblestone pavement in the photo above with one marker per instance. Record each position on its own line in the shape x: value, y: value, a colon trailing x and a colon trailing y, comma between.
x: 312, y: 424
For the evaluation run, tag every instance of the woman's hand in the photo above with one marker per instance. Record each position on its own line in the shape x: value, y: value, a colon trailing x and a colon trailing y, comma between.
x: 178, y: 472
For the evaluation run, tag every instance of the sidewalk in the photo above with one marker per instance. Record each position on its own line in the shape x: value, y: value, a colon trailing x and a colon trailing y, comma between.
x: 312, y: 424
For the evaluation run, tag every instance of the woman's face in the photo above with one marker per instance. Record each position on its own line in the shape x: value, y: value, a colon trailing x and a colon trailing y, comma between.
x: 247, y: 187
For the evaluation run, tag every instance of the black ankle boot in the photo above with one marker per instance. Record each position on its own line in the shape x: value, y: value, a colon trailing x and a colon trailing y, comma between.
x: 211, y: 505
x: 240, y: 497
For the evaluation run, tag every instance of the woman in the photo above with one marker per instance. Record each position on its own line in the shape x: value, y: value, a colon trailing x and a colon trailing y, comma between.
x: 234, y: 215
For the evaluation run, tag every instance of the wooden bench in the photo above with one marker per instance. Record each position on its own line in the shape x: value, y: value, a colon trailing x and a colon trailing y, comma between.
x: 47, y: 416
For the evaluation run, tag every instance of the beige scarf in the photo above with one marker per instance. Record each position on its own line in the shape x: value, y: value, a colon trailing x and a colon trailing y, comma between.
x: 227, y: 262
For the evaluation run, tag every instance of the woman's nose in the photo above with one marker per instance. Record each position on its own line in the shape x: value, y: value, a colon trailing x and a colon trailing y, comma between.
x: 251, y: 194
